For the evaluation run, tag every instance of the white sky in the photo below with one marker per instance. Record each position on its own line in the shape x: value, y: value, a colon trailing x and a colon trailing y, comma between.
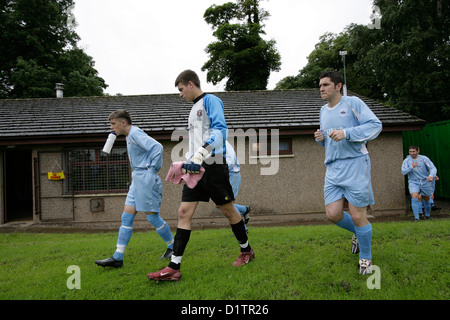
x: 140, y: 46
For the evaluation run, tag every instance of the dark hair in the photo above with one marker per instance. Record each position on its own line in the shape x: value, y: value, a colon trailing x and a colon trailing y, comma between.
x: 335, y: 77
x: 413, y: 147
x: 186, y: 76
x: 122, y: 114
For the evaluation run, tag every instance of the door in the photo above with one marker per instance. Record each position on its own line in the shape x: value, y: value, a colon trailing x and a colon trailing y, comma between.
x: 52, y: 202
x: 18, y: 185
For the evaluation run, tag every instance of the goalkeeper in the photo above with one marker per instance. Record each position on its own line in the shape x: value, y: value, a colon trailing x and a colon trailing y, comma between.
x: 207, y: 135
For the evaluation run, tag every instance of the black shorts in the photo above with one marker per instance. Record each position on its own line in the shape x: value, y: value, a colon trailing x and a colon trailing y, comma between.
x: 214, y: 184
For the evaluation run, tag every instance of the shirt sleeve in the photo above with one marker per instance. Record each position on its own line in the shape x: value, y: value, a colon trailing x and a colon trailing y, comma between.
x: 369, y: 125
x: 406, y: 168
x: 322, y: 143
x: 431, y: 167
x: 218, y: 130
x: 152, y: 147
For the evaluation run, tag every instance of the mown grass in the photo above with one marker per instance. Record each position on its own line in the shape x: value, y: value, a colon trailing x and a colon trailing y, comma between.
x: 292, y: 263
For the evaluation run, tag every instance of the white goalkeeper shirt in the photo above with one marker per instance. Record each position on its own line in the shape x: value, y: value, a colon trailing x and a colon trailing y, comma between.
x: 207, y: 125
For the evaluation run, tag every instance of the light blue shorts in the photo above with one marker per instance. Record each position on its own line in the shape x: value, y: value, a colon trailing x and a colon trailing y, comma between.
x: 350, y: 179
x: 235, y: 181
x: 145, y: 192
x: 423, y: 187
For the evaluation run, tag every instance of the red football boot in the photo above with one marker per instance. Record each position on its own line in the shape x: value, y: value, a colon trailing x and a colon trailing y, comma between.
x: 244, y: 258
x: 166, y: 274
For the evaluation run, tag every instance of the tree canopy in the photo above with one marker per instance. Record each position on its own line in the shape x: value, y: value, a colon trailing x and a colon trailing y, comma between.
x: 240, y: 54
x: 405, y: 62
x: 39, y: 49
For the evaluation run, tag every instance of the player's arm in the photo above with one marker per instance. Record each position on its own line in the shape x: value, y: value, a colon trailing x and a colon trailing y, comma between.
x: 151, y: 146
x: 318, y: 135
x: 369, y: 125
x: 406, y: 168
x: 431, y: 169
x: 218, y: 132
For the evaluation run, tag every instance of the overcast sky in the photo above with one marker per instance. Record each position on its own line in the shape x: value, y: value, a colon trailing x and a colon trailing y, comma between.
x: 140, y: 46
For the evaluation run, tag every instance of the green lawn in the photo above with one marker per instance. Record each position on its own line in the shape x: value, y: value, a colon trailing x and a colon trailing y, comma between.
x: 292, y: 263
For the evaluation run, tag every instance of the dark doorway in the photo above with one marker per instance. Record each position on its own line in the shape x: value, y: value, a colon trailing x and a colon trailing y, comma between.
x: 18, y: 185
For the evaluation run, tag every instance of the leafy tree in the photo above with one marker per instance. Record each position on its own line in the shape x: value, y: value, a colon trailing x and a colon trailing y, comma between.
x: 39, y: 49
x: 240, y: 54
x: 405, y: 62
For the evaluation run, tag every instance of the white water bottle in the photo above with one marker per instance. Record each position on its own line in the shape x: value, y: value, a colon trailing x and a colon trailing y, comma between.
x: 109, y: 143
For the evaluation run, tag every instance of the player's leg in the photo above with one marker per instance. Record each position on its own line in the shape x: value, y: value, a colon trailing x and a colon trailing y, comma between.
x: 125, y: 231
x: 172, y: 271
x: 235, y: 182
x: 342, y: 219
x: 363, y: 230
x: 416, y: 205
x: 163, y: 230
x: 221, y: 192
x: 185, y: 214
x: 427, y: 206
x: 358, y: 192
x: 426, y: 193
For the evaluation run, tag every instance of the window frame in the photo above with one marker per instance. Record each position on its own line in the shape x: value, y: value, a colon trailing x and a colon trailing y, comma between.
x: 106, y: 163
x: 288, y: 152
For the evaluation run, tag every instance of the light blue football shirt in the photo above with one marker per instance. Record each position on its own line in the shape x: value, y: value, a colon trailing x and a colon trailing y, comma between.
x: 144, y: 152
x: 360, y: 124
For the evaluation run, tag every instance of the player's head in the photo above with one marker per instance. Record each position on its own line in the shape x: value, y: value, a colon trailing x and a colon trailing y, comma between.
x: 120, y: 120
x: 188, y: 85
x: 331, y: 77
x: 186, y: 76
x: 414, y: 151
x: 120, y: 114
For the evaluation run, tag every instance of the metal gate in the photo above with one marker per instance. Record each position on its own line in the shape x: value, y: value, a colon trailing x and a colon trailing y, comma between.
x: 51, y: 204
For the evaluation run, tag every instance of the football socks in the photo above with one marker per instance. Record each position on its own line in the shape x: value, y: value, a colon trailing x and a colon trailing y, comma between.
x: 427, y: 207
x: 415, y: 206
x: 125, y: 231
x: 364, y: 235
x: 347, y: 223
x: 162, y: 228
x: 240, y: 209
x: 241, y: 236
x: 181, y: 239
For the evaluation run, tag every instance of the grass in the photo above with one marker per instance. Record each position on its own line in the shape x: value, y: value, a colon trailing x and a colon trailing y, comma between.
x: 292, y: 263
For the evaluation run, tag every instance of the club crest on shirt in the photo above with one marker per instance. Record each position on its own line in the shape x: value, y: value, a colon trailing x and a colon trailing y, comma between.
x: 343, y: 112
x: 199, y: 113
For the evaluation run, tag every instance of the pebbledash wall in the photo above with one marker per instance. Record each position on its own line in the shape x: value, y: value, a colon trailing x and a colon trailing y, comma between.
x: 293, y: 194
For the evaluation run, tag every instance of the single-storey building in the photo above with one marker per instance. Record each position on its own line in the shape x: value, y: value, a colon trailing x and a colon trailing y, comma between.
x: 52, y: 168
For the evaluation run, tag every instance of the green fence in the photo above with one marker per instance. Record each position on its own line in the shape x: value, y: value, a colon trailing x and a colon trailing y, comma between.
x: 434, y: 142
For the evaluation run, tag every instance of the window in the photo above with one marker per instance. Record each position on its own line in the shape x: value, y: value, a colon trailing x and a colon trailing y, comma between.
x: 90, y: 171
x: 284, y: 148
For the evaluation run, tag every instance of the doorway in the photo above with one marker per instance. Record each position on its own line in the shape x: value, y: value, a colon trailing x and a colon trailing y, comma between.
x: 18, y: 185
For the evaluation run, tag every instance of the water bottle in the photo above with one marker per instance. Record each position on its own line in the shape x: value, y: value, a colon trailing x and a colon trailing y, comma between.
x: 109, y: 143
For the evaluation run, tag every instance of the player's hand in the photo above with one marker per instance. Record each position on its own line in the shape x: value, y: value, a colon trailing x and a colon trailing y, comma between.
x: 337, y: 135
x: 197, y: 159
x: 430, y: 178
x: 414, y: 164
x: 190, y: 167
x: 319, y: 136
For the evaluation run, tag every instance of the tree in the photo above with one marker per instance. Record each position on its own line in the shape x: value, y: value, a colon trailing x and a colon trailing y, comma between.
x: 240, y: 54
x: 39, y: 49
x: 404, y: 63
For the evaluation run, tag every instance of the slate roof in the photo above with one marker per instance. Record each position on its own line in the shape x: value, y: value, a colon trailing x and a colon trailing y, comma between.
x: 295, y: 111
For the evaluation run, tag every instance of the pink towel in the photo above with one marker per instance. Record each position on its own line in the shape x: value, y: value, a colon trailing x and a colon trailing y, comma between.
x: 177, y: 176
